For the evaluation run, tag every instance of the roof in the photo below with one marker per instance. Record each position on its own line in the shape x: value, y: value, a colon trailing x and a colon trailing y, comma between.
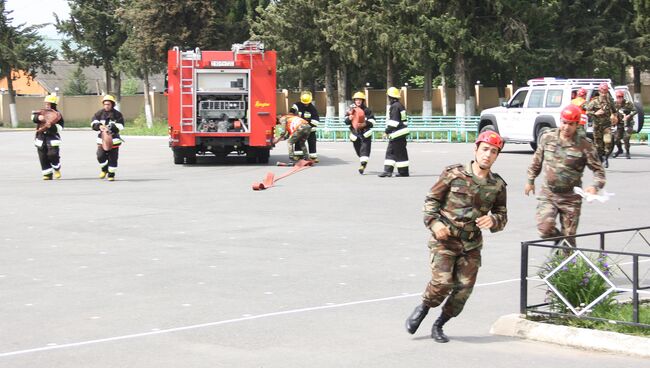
x: 95, y: 76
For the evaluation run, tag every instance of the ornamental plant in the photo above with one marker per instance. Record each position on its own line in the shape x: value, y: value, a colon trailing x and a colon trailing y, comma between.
x: 578, y: 283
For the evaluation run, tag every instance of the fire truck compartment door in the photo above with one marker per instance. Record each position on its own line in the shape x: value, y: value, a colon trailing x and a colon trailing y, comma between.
x: 220, y: 81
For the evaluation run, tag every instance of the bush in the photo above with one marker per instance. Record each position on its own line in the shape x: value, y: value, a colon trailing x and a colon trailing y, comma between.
x: 578, y: 283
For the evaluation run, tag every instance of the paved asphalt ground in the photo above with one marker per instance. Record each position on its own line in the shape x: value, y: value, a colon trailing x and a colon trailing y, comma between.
x: 186, y: 266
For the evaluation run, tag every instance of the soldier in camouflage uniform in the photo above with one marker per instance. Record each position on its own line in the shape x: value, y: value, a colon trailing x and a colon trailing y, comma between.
x: 601, y: 109
x: 465, y: 200
x: 625, y: 127
x: 563, y: 154
x: 297, y: 130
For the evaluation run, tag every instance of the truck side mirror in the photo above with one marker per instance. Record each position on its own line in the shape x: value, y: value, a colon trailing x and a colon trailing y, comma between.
x: 504, y: 104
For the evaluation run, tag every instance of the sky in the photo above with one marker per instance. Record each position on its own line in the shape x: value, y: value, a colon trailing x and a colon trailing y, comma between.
x: 38, y: 12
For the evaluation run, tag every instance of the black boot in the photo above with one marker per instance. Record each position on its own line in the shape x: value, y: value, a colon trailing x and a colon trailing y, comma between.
x: 436, y: 330
x: 388, y: 172
x: 617, y: 153
x: 606, y: 161
x: 402, y: 171
x: 414, y: 320
x: 627, y: 155
x: 362, y: 167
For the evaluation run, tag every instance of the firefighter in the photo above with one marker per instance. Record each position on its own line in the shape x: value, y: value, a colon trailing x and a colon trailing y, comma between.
x: 48, y: 140
x: 581, y: 102
x: 361, y: 135
x: 297, y: 130
x: 396, y: 131
x: 108, y: 121
x: 306, y: 110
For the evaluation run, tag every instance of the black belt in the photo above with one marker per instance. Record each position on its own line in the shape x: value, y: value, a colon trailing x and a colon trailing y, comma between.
x: 560, y: 190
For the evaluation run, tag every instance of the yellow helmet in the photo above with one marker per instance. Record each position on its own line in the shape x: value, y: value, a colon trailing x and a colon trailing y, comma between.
x: 393, y: 92
x: 306, y: 97
x: 51, y: 99
x: 109, y: 98
x: 360, y: 95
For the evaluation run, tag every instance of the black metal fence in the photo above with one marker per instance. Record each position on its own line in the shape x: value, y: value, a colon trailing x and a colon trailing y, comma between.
x: 596, y: 242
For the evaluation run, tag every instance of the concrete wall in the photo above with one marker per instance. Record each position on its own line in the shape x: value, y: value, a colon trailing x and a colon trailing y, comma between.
x: 81, y: 108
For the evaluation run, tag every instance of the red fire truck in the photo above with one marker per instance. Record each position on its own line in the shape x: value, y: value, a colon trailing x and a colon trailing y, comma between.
x: 221, y: 102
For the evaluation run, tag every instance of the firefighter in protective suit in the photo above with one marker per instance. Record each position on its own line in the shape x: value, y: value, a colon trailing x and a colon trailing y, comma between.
x: 306, y: 110
x: 297, y: 130
x: 361, y: 134
x: 47, y: 142
x: 111, y: 121
x: 396, y: 131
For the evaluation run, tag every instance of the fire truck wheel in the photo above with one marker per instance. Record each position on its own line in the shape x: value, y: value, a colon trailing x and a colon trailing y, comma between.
x: 190, y: 158
x: 179, y: 158
x: 263, y: 156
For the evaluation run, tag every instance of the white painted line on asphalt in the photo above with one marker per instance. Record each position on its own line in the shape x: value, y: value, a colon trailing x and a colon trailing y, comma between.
x: 53, y: 346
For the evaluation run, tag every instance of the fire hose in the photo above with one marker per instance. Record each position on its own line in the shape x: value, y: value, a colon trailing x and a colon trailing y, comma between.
x: 270, y: 178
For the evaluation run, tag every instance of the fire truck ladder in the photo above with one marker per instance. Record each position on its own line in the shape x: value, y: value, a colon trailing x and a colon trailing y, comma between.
x: 187, y: 61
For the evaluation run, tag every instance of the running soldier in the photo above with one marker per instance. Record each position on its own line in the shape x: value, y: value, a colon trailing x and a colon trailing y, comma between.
x: 625, y: 110
x: 47, y: 139
x: 465, y: 200
x: 306, y: 110
x: 563, y: 155
x: 397, y: 131
x: 360, y: 133
x: 601, y: 110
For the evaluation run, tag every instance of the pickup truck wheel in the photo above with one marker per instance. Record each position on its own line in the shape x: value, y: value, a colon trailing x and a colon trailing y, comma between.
x: 488, y: 127
x: 538, y: 133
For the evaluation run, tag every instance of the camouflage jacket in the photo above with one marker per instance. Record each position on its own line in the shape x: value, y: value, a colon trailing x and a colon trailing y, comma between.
x: 598, y: 103
x: 564, y: 162
x: 626, y: 108
x: 459, y: 197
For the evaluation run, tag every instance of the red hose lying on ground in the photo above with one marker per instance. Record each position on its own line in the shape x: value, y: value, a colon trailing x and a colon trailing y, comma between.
x: 270, y: 178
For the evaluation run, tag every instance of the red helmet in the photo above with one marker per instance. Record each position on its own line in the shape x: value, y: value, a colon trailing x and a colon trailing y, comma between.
x: 603, y: 87
x: 620, y: 93
x: 490, y: 137
x: 571, y: 113
x: 582, y: 92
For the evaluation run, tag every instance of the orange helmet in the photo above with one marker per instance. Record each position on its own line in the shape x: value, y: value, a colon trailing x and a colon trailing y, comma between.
x: 582, y: 92
x: 620, y: 93
x: 571, y: 114
x: 603, y: 87
x: 490, y: 137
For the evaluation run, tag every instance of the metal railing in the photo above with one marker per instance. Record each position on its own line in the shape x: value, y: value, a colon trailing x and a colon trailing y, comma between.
x: 423, y: 128
x: 615, y: 287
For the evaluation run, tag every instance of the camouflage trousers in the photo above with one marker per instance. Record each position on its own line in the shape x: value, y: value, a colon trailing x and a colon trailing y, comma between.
x: 623, y: 133
x: 453, y: 275
x: 298, y: 138
x: 566, y: 205
x: 603, y: 137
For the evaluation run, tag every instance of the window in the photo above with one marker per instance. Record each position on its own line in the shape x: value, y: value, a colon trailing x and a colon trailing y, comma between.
x: 554, y: 98
x: 518, y: 100
x: 536, y: 99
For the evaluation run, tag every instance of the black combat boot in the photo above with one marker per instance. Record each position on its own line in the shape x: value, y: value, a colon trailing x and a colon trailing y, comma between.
x: 627, y: 155
x: 436, y: 330
x: 402, y: 171
x: 617, y: 153
x: 414, y: 320
x: 388, y: 172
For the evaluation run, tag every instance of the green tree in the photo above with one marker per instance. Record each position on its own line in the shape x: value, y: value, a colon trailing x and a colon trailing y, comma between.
x: 77, y: 83
x: 94, y: 35
x: 22, y: 50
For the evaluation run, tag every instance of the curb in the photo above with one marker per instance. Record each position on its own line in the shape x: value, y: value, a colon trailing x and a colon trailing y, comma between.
x: 516, y: 326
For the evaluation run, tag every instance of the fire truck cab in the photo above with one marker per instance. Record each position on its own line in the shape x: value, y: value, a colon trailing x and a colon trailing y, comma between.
x: 221, y: 102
